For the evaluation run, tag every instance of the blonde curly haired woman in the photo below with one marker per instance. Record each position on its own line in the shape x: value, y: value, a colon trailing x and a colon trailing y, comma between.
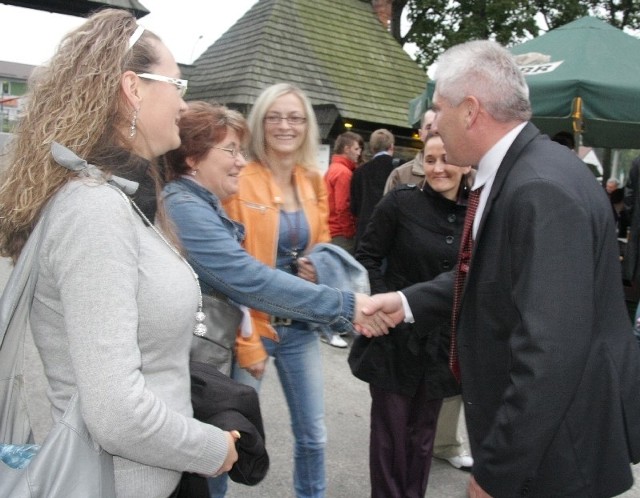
x: 115, y: 304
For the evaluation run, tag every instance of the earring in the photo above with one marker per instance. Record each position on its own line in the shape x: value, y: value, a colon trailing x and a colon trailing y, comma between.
x: 193, y: 172
x: 134, y: 119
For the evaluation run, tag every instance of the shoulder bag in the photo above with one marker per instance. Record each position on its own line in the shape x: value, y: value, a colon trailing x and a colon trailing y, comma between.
x: 69, y: 464
x: 215, y: 346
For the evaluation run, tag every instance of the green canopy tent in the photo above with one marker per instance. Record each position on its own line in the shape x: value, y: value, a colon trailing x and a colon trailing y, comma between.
x: 583, y: 77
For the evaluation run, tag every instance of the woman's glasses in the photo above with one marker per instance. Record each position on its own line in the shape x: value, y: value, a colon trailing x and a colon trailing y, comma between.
x: 181, y: 85
x: 276, y: 119
x: 233, y: 151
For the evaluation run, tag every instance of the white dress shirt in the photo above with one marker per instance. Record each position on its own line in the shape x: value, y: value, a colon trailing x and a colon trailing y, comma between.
x: 487, y: 169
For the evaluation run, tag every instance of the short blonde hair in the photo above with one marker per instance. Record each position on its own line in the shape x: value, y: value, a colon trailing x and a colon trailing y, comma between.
x: 381, y: 140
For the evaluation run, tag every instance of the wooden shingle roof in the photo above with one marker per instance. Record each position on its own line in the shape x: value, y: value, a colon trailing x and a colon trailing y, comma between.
x: 336, y: 51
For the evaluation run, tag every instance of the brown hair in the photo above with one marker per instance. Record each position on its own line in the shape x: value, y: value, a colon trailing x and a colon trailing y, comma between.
x: 202, y: 125
x: 344, y: 140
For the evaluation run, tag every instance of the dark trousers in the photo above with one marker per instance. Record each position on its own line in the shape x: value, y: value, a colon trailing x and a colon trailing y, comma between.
x: 348, y: 244
x: 191, y: 486
x: 401, y: 442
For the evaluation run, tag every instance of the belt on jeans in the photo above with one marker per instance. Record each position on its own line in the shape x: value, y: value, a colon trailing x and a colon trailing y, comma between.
x: 279, y: 321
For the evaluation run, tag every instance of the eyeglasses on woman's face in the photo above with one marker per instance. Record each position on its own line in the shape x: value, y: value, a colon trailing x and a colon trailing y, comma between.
x: 181, y: 85
x: 232, y: 150
x: 293, y: 120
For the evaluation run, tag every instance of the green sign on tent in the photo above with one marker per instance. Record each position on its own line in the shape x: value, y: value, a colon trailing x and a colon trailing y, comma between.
x: 583, y: 77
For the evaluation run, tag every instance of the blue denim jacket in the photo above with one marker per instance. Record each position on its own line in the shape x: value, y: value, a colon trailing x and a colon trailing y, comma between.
x: 212, y: 241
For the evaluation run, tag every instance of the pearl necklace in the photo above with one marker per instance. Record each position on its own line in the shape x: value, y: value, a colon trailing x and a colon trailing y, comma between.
x: 200, y: 328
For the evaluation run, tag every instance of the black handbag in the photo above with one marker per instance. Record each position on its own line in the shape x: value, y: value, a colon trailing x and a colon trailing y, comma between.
x: 222, y: 320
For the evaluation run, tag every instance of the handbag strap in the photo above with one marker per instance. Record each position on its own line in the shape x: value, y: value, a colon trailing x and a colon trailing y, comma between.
x: 15, y: 307
x: 23, y: 277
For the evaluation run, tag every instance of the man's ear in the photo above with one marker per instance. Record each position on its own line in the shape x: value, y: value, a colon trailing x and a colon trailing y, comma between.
x: 130, y: 84
x: 471, y: 110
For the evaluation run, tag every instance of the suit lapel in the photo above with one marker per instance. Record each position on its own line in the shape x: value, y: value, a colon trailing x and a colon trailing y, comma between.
x: 528, y: 133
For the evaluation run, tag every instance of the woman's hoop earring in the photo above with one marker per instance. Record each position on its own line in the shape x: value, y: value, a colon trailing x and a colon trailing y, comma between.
x: 134, y: 119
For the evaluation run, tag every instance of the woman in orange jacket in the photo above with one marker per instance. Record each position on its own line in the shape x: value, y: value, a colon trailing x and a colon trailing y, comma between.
x: 282, y: 201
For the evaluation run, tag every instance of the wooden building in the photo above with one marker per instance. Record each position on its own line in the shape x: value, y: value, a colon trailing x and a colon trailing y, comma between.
x: 340, y: 53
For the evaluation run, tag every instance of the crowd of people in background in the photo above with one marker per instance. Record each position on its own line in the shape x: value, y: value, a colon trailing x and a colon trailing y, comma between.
x: 487, y: 265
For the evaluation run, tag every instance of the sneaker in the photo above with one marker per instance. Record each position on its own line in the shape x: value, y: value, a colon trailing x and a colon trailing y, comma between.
x: 462, y: 462
x: 335, y: 340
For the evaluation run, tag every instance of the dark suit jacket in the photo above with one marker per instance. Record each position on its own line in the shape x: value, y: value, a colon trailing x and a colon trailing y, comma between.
x: 367, y: 188
x: 550, y: 368
x: 631, y: 265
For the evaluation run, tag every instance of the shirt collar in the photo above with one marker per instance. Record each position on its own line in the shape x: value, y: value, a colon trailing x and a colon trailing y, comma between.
x: 381, y: 153
x: 490, y: 162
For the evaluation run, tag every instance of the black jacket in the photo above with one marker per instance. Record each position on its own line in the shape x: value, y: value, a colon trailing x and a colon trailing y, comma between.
x: 229, y: 405
x: 412, y: 236
x: 367, y: 188
x: 631, y: 263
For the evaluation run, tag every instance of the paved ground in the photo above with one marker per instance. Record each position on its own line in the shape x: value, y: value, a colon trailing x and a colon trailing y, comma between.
x: 347, y: 416
x: 347, y: 409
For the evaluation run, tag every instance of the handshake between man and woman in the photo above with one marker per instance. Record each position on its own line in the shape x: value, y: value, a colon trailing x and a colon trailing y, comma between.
x: 375, y: 315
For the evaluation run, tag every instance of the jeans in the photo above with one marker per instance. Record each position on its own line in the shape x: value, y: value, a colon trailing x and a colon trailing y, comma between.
x: 299, y: 364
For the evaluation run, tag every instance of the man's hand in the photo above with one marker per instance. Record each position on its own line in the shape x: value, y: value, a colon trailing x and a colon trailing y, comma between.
x: 475, y: 491
x: 389, y: 304
x: 374, y: 323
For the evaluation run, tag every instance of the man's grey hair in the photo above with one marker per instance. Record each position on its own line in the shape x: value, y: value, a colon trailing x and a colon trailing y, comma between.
x: 486, y: 70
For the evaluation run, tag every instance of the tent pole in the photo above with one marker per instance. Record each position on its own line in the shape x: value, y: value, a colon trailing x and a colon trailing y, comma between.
x: 578, y: 123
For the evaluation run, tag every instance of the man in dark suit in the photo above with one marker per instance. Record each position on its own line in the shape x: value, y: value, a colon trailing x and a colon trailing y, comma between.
x: 368, y: 181
x: 550, y: 370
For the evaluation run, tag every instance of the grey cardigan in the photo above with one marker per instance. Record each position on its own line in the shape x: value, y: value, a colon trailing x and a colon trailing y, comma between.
x: 112, y: 317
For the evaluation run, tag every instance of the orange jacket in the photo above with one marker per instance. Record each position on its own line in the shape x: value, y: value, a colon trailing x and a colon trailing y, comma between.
x: 338, y: 182
x: 257, y: 206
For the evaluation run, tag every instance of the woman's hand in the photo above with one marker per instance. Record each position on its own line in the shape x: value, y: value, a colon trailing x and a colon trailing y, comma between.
x: 370, y: 318
x: 232, y: 453
x: 475, y: 491
x: 257, y: 369
x: 307, y: 271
